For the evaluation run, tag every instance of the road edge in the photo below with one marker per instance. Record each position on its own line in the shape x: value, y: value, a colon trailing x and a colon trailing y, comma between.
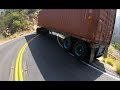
x: 17, y: 38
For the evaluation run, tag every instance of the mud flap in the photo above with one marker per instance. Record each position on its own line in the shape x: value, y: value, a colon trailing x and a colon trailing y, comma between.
x: 105, y: 52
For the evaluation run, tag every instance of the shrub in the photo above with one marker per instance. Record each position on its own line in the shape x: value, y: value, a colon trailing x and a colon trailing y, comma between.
x: 1, y: 36
x: 16, y: 21
x: 110, y: 61
x: 117, y: 66
x: 116, y: 46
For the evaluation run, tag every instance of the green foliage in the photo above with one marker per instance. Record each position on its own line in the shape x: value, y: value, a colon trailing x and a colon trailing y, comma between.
x: 117, y: 66
x: 31, y: 11
x: 16, y: 25
x: 16, y: 21
x: 110, y: 61
x: 116, y: 46
x: 1, y: 36
x: 19, y: 25
x: 2, y: 25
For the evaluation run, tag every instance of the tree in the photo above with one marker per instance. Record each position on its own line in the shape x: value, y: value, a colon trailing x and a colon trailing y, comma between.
x: 2, y: 24
x: 15, y: 20
x: 31, y: 11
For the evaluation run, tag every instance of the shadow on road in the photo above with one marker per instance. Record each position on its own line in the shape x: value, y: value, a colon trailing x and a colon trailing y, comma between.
x: 57, y: 65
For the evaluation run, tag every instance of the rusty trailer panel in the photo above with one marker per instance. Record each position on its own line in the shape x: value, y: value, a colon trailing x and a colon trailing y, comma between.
x: 92, y: 25
x: 105, y: 25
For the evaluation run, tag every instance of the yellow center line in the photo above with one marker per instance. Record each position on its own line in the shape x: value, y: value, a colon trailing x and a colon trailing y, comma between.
x: 18, y: 74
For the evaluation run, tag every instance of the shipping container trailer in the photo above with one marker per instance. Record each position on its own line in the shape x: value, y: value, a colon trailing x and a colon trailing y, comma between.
x: 87, y: 32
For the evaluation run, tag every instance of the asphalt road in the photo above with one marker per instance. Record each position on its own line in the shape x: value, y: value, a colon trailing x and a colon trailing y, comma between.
x: 44, y: 60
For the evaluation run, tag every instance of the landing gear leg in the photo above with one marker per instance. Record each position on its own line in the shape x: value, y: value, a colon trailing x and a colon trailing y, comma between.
x: 92, y: 55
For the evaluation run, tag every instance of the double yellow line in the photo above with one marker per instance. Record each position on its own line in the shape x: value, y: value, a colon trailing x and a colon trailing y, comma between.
x: 18, y: 74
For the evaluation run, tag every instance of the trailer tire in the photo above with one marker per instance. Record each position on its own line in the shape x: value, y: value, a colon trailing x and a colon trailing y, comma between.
x: 42, y: 30
x: 67, y: 44
x: 81, y: 50
x: 38, y: 30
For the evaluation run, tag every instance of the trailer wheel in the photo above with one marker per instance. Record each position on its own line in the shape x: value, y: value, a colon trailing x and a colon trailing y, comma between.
x: 38, y: 30
x: 67, y: 44
x: 81, y: 50
x: 42, y: 31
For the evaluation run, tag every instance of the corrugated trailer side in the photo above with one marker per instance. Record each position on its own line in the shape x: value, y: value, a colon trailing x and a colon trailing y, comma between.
x: 105, y: 26
x: 80, y: 23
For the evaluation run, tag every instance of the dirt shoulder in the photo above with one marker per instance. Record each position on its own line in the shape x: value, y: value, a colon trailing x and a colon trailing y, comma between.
x: 16, y: 35
x: 105, y: 67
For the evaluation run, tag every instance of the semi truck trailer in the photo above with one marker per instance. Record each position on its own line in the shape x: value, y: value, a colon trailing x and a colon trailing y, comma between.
x: 87, y: 32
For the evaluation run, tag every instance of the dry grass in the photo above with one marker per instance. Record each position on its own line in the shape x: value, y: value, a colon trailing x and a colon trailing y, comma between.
x: 18, y: 34
x: 114, y: 63
x: 117, y: 66
x: 109, y: 61
x: 112, y: 59
x: 103, y: 60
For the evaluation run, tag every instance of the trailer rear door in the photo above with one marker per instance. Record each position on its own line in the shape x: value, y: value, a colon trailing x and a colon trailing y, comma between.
x: 105, y: 26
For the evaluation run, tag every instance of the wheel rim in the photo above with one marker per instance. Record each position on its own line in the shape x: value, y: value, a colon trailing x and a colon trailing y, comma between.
x: 67, y: 44
x: 79, y: 50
